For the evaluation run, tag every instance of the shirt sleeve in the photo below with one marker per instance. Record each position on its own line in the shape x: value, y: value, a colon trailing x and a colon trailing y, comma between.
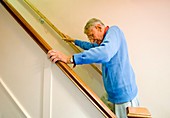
x: 85, y: 45
x: 103, y: 53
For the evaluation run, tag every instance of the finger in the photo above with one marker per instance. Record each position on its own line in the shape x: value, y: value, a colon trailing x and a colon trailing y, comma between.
x: 48, y: 55
x: 51, y: 53
x: 55, y: 60
x: 67, y: 40
x: 67, y: 36
x: 53, y: 57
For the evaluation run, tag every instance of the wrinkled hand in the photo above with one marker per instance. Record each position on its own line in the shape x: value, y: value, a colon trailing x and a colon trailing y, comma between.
x: 55, y: 56
x: 68, y: 39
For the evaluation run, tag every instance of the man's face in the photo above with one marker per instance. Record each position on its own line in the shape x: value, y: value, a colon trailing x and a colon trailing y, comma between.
x: 95, y: 34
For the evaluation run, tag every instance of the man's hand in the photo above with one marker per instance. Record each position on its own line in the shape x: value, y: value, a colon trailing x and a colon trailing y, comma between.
x: 55, y: 56
x: 68, y: 39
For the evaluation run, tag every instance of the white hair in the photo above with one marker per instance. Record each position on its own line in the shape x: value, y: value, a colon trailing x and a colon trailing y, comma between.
x: 92, y: 22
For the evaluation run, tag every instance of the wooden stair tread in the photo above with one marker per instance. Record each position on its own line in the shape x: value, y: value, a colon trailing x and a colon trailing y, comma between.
x: 138, y: 112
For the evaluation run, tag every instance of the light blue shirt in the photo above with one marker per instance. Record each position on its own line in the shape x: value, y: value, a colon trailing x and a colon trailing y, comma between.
x: 118, y: 75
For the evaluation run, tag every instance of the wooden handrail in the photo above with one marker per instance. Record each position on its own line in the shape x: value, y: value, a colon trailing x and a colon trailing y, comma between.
x: 64, y: 67
x: 62, y: 35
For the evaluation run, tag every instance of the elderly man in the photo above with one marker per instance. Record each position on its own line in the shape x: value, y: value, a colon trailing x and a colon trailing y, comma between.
x: 107, y: 46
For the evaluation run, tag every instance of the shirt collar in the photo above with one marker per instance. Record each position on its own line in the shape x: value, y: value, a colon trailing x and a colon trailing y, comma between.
x: 105, y: 30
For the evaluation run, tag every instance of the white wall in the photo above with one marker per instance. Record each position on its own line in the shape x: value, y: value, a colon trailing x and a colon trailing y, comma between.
x: 30, y: 85
x: 146, y: 25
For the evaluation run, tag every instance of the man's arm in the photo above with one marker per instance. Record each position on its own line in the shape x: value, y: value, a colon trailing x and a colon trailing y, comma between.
x: 82, y: 44
x: 85, y: 45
